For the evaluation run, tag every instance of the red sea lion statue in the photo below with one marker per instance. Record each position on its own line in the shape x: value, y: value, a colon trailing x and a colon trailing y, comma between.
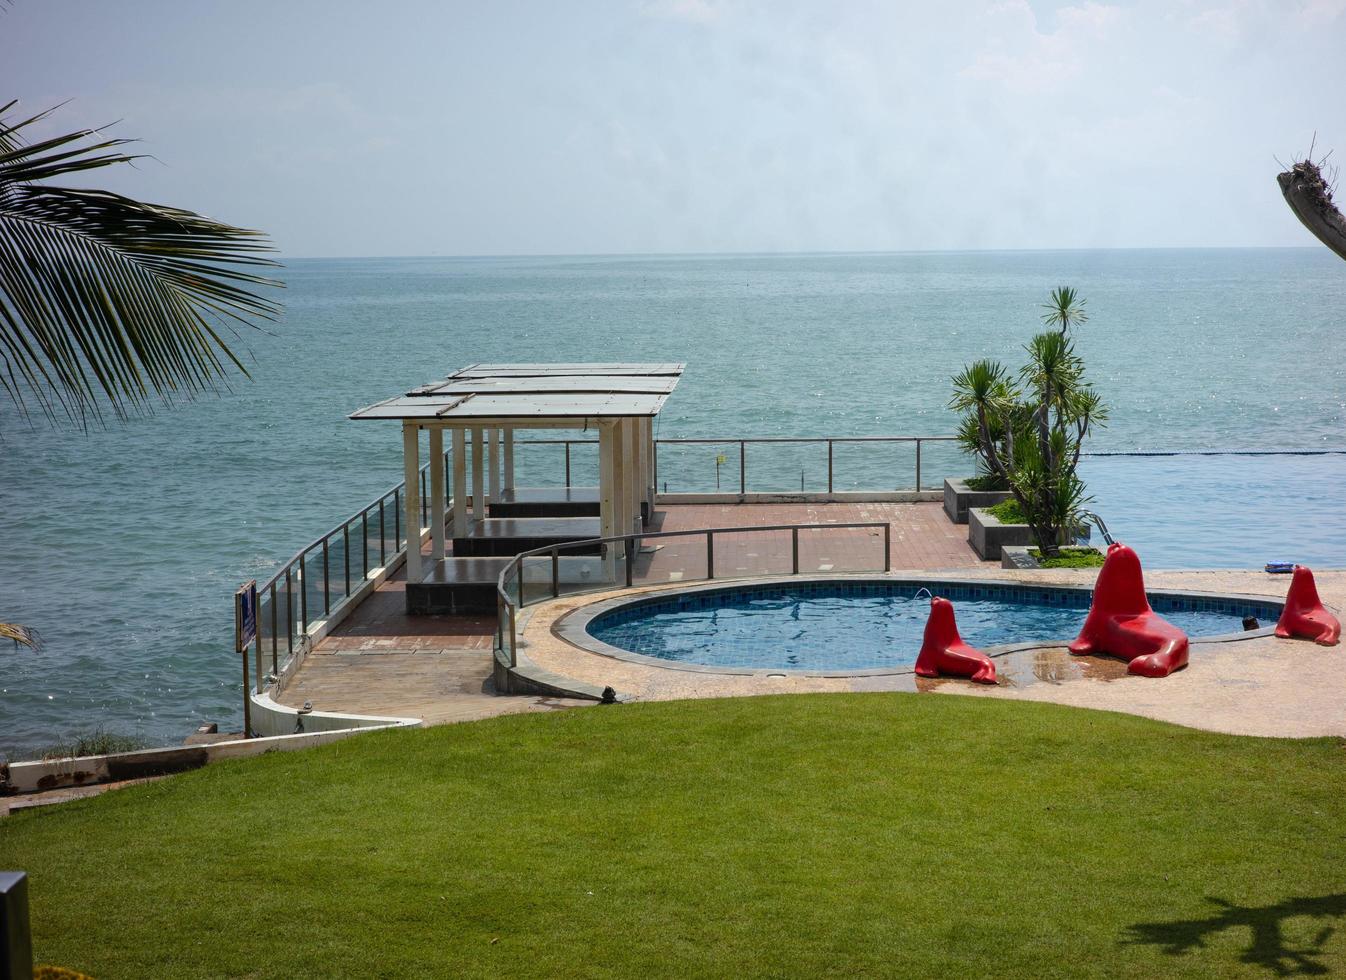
x: 1304, y: 614
x: 1121, y: 622
x: 944, y: 651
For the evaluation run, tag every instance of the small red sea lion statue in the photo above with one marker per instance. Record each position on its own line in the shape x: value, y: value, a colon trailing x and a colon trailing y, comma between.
x: 1304, y: 614
x: 944, y: 651
x: 1121, y: 622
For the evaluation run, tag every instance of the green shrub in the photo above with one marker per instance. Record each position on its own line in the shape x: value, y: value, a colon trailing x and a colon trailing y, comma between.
x: 1008, y: 512
x: 987, y: 482
x: 1070, y: 558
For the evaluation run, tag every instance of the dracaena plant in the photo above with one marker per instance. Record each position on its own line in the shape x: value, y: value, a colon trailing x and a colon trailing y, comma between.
x: 1028, y: 428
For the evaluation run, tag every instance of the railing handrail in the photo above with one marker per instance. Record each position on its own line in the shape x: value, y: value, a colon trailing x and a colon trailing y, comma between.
x: 706, y: 440
x: 332, y: 531
x: 699, y: 531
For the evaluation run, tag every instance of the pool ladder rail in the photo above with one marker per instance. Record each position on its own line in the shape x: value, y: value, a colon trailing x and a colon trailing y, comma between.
x: 1103, y: 528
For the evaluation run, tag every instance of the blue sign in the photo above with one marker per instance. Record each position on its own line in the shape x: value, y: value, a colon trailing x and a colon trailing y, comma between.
x: 245, y: 616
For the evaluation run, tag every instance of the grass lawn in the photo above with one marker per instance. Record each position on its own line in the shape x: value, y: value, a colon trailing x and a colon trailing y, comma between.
x: 815, y: 835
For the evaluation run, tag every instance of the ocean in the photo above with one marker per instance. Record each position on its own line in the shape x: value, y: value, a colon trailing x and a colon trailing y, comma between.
x: 123, y: 544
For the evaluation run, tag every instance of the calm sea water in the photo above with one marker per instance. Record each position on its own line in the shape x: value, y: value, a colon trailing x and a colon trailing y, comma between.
x: 124, y: 545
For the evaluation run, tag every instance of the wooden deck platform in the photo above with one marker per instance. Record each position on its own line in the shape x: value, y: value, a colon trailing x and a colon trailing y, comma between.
x: 507, y: 536
x: 382, y: 660
x: 545, y: 502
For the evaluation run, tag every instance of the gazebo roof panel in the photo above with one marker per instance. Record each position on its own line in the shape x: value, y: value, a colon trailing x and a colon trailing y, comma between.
x: 551, y: 385
x: 555, y: 392
x: 572, y: 369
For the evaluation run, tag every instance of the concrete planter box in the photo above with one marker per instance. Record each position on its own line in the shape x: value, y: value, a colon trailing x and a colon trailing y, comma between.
x: 1018, y: 557
x: 959, y: 499
x: 988, y: 536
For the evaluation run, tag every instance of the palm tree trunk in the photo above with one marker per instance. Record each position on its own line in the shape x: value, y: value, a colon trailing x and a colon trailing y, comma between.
x: 1310, y: 199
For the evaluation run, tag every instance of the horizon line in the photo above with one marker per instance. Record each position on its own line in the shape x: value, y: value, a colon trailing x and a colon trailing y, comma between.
x: 811, y: 252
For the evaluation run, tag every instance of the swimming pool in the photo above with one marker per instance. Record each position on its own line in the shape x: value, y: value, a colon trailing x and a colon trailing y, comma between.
x: 846, y: 626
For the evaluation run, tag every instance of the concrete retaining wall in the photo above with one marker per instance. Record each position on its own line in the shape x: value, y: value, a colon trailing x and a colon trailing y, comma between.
x: 32, y: 777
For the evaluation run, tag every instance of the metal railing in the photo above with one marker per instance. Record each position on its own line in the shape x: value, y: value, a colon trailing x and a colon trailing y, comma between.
x: 326, y: 573
x: 830, y: 442
x: 615, y: 559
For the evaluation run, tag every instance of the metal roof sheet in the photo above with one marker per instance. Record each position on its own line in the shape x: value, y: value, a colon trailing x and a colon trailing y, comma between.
x: 550, y: 384
x: 535, y: 392
x: 574, y: 369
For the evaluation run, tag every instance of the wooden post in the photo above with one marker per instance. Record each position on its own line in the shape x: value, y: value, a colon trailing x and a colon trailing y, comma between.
x: 411, y: 470
x: 606, y: 497
x: 621, y: 518
x: 493, y: 464
x: 459, y: 489
x: 631, y: 482
x: 478, y: 493
x: 436, y: 494
x: 509, y: 460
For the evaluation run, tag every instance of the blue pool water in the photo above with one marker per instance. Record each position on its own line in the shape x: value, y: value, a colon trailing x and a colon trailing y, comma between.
x: 846, y: 627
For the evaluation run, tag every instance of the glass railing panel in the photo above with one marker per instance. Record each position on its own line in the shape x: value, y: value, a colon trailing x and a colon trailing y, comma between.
x: 831, y: 550
x: 535, y: 572
x: 751, y: 553
x: 942, y: 460
x: 667, y: 560
x: 783, y: 467
x: 585, y: 568
x: 698, y: 467
x: 264, y: 635
x: 873, y: 466
x: 504, y: 640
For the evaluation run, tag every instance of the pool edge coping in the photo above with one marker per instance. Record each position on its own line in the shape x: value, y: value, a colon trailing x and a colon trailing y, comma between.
x: 572, y: 626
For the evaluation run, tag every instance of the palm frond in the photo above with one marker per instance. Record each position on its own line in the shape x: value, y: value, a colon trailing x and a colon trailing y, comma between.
x: 109, y: 301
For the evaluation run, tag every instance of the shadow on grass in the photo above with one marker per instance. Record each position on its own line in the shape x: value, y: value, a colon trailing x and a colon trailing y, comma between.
x: 1268, y: 948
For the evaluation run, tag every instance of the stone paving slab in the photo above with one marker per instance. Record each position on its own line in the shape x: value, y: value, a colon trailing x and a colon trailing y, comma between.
x: 1259, y: 686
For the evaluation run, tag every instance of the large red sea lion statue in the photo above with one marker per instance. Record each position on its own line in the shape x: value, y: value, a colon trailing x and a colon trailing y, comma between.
x: 1121, y: 622
x: 1304, y: 614
x: 944, y: 653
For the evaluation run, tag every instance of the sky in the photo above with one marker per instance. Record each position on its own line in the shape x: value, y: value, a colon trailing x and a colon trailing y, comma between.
x: 422, y: 127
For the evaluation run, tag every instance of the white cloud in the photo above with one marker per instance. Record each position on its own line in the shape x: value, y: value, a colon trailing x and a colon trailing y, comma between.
x: 689, y: 11
x: 1026, y: 59
x: 1322, y: 11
